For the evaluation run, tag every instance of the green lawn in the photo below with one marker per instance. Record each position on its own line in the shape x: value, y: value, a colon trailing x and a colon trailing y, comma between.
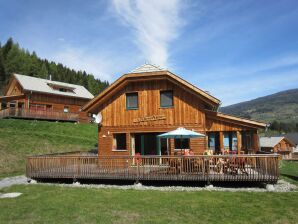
x: 19, y: 138
x: 289, y: 171
x: 53, y: 204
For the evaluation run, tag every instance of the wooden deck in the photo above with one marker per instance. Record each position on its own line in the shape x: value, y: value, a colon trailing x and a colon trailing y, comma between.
x: 38, y: 114
x: 252, y: 168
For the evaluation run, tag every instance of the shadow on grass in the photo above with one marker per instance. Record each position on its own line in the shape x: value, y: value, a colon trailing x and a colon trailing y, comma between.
x: 158, y: 183
x: 290, y: 176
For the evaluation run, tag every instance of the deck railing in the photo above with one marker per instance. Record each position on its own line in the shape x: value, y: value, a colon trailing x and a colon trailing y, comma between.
x: 261, y: 168
x: 38, y: 114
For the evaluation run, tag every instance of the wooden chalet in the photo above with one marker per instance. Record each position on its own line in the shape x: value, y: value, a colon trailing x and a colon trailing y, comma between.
x: 150, y: 101
x: 36, y: 98
x: 280, y: 145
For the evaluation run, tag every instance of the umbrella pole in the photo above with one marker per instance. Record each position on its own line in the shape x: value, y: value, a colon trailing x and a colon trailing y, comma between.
x: 181, y: 145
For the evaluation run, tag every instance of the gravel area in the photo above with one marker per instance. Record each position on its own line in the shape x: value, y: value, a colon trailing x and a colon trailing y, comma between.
x: 281, y: 186
x: 9, y: 181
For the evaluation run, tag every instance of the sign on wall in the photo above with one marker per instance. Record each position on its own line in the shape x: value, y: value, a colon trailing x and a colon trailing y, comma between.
x: 149, y: 118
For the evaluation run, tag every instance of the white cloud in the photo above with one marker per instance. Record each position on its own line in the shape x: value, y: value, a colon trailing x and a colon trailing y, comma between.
x: 79, y: 59
x: 155, y: 23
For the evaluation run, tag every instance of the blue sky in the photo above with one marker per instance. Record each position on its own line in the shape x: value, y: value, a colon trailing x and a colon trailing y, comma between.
x: 237, y: 50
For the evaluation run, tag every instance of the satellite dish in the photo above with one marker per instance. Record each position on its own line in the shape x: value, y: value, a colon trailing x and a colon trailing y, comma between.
x: 97, y: 118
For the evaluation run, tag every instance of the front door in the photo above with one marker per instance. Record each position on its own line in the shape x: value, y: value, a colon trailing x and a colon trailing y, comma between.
x: 148, y: 144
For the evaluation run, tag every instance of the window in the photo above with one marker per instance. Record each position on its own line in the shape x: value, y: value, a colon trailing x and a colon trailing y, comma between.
x: 37, y: 107
x: 211, y: 141
x: 12, y: 104
x: 166, y: 98
x: 66, y: 109
x: 234, y: 141
x: 65, y: 89
x: 62, y: 90
x: 182, y: 143
x: 3, y: 105
x: 48, y: 107
x: 119, y: 141
x: 131, y: 101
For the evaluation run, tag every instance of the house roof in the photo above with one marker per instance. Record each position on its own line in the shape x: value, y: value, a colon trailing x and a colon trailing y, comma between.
x: 149, y: 72
x: 34, y: 84
x: 270, y: 142
x: 293, y: 137
x: 147, y: 68
x: 239, y: 120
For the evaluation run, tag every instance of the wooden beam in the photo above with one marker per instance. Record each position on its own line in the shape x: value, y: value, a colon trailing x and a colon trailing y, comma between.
x: 221, y: 141
x: 255, y: 141
x: 239, y: 143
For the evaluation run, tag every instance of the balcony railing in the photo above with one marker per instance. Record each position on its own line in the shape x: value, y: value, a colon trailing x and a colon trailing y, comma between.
x: 38, y: 114
x: 255, y: 168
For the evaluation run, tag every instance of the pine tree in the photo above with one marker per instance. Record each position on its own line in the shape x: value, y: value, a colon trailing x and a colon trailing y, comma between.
x: 7, y: 47
x: 43, y: 72
x: 13, y: 59
x: 13, y: 62
x: 2, y: 71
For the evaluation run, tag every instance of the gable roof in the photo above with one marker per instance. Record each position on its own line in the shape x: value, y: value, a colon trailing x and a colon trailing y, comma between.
x: 293, y: 137
x: 235, y: 119
x: 147, y: 68
x: 150, y: 72
x: 270, y: 142
x: 34, y: 84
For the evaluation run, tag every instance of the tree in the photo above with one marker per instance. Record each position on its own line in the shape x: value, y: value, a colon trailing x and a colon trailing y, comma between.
x: 43, y: 72
x: 2, y: 68
x: 7, y: 47
x: 13, y: 62
x: 13, y: 59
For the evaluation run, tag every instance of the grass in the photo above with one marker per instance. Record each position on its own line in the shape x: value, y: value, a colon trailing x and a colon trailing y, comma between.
x: 20, y: 138
x: 55, y: 204
x: 289, y: 171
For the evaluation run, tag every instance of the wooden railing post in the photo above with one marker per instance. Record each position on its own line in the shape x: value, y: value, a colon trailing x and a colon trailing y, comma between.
x: 207, y: 168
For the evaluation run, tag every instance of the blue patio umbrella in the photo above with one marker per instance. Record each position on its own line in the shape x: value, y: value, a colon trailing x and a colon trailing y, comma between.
x: 181, y: 133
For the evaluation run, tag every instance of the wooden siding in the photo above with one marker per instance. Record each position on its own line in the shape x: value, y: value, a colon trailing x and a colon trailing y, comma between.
x: 283, y: 145
x: 187, y: 109
x: 56, y: 103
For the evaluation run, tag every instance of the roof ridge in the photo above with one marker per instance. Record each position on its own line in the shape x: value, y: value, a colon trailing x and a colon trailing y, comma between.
x: 53, y: 81
x: 36, y: 84
x: 147, y: 67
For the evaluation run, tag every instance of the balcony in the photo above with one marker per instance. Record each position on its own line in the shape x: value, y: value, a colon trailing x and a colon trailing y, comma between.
x: 38, y: 114
x: 219, y: 168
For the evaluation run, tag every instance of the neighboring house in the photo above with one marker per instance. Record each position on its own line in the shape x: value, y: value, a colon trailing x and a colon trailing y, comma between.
x: 36, y: 98
x: 280, y: 145
x: 293, y: 137
x: 149, y: 101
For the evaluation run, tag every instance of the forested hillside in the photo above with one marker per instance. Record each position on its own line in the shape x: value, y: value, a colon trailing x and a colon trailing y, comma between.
x: 279, y: 109
x: 14, y: 59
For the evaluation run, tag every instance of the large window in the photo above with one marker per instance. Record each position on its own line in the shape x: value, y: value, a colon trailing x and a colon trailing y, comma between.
x: 211, y: 141
x: 182, y: 143
x: 131, y: 101
x: 119, y: 141
x: 230, y: 141
x: 166, y: 98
